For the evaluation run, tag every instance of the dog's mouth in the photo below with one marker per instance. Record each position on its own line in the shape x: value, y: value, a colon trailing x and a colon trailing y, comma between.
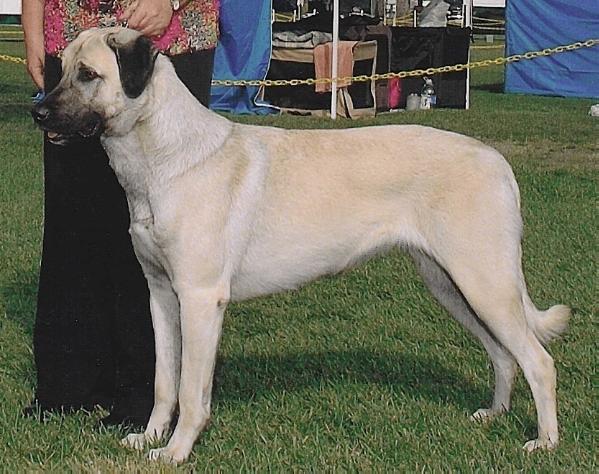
x: 93, y: 129
x: 59, y: 138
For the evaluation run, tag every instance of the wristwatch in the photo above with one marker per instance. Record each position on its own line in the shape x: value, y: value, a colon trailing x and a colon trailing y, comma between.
x: 175, y: 5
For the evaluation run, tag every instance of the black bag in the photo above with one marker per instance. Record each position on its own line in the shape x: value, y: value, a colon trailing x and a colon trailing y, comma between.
x: 284, y: 5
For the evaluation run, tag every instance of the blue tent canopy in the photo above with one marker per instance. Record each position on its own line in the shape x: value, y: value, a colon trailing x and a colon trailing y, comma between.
x: 243, y: 52
x: 533, y: 26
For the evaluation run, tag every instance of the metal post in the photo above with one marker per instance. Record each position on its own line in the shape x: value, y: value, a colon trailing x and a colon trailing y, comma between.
x: 335, y: 59
x: 467, y: 23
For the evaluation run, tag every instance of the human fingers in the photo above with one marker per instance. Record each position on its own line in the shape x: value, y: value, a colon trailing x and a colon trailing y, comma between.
x: 128, y: 12
x: 35, y: 68
x: 158, y: 15
x: 137, y: 19
x: 153, y: 28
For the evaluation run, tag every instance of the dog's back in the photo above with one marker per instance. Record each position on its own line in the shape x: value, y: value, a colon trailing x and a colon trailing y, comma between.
x: 330, y: 198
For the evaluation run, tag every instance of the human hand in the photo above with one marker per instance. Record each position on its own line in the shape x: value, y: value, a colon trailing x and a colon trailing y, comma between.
x: 32, y: 19
x: 149, y: 17
x: 35, y: 63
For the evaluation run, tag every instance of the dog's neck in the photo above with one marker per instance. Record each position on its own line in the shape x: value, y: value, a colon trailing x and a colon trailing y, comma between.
x: 175, y: 133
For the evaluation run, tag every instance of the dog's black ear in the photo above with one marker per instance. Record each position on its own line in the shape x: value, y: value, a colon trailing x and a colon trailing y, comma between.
x: 136, y: 60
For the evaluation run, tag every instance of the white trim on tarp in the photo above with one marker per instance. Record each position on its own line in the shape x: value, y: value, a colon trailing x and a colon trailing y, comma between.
x: 10, y: 7
x: 490, y: 3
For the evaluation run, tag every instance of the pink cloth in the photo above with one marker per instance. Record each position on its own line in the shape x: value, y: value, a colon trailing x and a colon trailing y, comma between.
x: 323, y: 61
x: 394, y: 95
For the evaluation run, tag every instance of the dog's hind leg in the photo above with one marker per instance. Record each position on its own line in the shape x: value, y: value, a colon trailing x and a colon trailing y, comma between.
x: 164, y: 307
x: 445, y: 291
x: 489, y: 275
x: 473, y: 230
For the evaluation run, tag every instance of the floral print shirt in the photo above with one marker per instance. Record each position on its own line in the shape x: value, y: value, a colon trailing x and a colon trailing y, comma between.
x: 194, y: 27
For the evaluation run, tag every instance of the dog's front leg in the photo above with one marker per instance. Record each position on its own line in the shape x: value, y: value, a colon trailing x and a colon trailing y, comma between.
x: 164, y: 307
x: 201, y: 322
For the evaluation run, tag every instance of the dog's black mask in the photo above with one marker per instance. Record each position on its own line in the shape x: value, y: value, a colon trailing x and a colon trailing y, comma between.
x: 55, y: 115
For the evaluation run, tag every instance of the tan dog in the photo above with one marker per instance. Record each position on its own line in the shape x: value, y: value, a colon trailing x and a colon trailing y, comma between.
x: 222, y: 211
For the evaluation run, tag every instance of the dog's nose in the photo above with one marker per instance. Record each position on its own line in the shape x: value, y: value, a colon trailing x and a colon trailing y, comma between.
x: 40, y: 113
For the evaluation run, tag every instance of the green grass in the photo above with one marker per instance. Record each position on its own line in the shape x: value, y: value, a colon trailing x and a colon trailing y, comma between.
x: 361, y: 372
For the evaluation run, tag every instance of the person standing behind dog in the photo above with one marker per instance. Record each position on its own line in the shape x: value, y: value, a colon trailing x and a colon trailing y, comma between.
x: 93, y: 339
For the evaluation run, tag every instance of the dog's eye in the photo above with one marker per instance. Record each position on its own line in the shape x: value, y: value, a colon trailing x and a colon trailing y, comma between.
x: 87, y: 75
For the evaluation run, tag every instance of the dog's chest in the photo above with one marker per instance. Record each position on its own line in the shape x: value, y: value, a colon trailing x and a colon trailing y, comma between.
x: 148, y: 246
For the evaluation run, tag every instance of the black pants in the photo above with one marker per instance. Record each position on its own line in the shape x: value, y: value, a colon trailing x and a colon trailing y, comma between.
x: 93, y: 338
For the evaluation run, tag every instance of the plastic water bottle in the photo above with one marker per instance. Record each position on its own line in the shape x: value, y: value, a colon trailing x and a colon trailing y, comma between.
x: 428, y: 97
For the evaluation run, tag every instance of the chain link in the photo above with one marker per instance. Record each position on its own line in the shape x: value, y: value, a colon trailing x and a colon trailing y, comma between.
x: 388, y: 75
x: 12, y: 59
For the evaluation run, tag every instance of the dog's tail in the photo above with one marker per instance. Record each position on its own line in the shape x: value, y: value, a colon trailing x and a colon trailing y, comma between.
x: 549, y: 324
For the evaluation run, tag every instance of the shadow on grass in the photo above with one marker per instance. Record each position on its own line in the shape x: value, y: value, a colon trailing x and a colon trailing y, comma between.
x: 495, y: 88
x: 19, y: 298
x: 244, y: 378
x: 11, y: 113
x: 17, y: 89
x: 240, y: 379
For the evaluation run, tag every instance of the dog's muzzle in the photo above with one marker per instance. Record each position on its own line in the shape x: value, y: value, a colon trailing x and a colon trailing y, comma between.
x: 63, y: 131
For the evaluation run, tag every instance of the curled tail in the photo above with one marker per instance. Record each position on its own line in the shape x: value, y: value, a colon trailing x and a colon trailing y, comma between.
x: 549, y: 324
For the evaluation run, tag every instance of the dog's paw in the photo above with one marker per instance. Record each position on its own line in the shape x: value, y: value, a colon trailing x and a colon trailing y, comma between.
x: 484, y: 415
x: 167, y: 455
x: 135, y: 441
x: 536, y: 444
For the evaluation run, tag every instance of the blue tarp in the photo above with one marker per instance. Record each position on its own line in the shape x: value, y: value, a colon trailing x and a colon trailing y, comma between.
x: 243, y: 52
x: 536, y: 25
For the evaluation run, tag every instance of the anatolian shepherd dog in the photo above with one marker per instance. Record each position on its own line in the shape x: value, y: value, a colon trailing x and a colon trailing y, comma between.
x: 222, y: 211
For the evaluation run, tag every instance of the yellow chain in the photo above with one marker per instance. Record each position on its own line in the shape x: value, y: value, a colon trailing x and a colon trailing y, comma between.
x: 12, y: 59
x: 414, y: 73
x: 377, y: 77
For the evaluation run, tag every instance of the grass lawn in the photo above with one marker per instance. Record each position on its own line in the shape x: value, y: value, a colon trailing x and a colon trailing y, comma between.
x: 361, y: 372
